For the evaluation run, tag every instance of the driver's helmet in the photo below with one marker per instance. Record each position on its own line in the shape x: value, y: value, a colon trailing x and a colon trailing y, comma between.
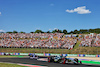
x: 61, y: 55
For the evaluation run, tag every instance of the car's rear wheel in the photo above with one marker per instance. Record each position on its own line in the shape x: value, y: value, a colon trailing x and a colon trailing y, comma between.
x: 80, y: 62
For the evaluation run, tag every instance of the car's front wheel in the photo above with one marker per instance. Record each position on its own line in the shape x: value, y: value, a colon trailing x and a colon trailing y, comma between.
x: 80, y: 62
x: 76, y: 60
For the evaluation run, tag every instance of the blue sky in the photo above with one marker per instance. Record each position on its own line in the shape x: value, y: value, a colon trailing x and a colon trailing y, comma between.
x: 29, y: 15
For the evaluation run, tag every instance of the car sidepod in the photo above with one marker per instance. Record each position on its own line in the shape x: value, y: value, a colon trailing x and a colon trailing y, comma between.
x: 49, y: 60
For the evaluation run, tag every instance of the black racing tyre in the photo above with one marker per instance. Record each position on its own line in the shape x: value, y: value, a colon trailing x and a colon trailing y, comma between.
x: 80, y: 62
x: 76, y: 60
x: 52, y: 58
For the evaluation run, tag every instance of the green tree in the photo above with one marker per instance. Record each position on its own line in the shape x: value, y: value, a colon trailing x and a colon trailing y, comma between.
x: 71, y: 32
x: 31, y: 32
x: 83, y: 31
x: 21, y: 32
x: 39, y: 31
x: 15, y: 31
x: 97, y: 30
x: 76, y: 32
x: 59, y: 31
x: 9, y: 32
x: 48, y: 31
x: 56, y: 31
x: 1, y: 32
x: 65, y: 31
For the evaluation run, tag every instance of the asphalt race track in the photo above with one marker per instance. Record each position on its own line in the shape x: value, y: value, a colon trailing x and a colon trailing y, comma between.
x: 31, y: 61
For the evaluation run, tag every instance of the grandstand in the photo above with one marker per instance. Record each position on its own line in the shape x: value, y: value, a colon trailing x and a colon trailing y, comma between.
x: 91, y: 40
x: 36, y: 40
x: 47, y: 40
x: 49, y: 43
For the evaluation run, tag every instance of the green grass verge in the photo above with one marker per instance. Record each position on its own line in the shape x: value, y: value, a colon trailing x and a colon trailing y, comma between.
x: 91, y: 62
x: 31, y: 50
x: 87, y: 50
x: 10, y: 65
x: 78, y: 50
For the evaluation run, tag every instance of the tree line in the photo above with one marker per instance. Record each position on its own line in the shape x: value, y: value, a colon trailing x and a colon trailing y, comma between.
x: 82, y: 31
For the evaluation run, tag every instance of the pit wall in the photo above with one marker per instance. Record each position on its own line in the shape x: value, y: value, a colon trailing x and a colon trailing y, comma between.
x: 48, y: 54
